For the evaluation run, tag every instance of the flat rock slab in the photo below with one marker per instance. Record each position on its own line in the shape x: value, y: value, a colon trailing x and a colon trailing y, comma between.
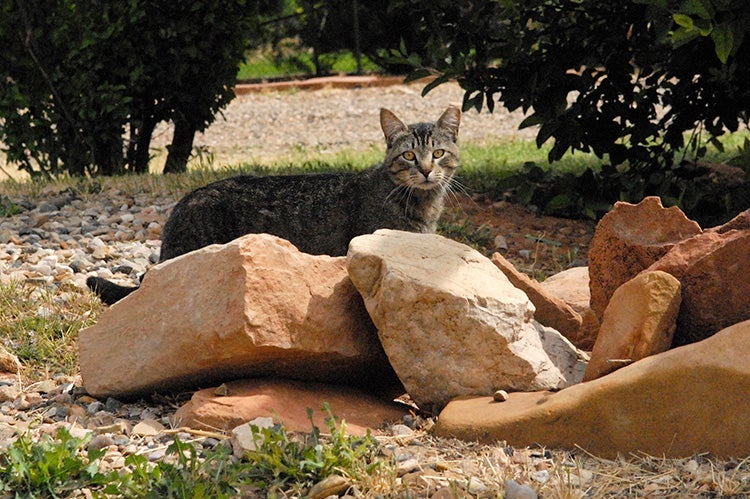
x: 686, y: 401
x: 287, y: 402
x: 451, y: 323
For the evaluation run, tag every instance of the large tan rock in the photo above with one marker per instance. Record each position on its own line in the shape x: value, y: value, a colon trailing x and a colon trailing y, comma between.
x: 549, y: 310
x: 683, y: 402
x: 638, y: 322
x: 627, y: 240
x: 451, y: 322
x: 713, y: 269
x: 253, y: 307
x: 286, y: 401
x: 572, y: 286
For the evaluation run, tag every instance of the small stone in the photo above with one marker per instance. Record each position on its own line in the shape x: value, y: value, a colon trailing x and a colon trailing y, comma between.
x: 401, y: 430
x: 333, y: 485
x: 501, y: 243
x: 476, y: 486
x: 514, y: 490
x: 407, y: 466
x: 100, y: 442
x: 9, y: 393
x: 45, y: 207
x: 245, y: 439
x: 148, y: 427
x: 500, y: 396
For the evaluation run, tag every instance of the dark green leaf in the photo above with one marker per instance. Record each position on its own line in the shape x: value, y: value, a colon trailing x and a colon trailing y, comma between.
x: 723, y: 37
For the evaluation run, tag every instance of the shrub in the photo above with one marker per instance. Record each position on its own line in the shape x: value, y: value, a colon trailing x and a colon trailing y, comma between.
x: 624, y: 80
x: 88, y: 81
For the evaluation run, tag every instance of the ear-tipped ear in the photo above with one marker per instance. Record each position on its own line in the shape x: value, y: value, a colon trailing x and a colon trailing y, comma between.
x: 449, y: 120
x: 392, y: 126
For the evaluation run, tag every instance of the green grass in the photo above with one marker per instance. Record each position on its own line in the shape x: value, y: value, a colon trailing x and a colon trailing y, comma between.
x: 260, y: 65
x: 41, y: 326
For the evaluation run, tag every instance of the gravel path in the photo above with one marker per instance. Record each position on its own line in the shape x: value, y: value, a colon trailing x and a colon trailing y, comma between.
x: 270, y: 125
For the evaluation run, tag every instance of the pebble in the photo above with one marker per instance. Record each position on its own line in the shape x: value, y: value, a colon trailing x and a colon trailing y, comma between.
x: 514, y: 490
x: 60, y: 245
x: 500, y: 396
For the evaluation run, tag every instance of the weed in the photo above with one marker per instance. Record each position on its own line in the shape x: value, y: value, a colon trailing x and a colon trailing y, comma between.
x: 280, y: 462
x: 7, y: 207
x: 49, y: 468
x: 460, y: 228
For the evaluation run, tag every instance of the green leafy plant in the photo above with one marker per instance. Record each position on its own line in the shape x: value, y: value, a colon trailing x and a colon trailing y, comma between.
x: 50, y: 467
x: 280, y: 460
x: 85, y: 83
x: 56, y: 467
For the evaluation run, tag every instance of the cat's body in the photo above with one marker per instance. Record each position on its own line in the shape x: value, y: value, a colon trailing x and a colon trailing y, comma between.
x: 321, y: 213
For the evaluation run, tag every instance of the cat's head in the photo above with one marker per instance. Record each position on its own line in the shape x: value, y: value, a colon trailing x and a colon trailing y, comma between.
x: 424, y: 155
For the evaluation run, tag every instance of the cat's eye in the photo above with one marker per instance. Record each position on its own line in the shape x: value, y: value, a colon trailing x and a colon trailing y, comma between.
x: 409, y: 155
x: 438, y: 153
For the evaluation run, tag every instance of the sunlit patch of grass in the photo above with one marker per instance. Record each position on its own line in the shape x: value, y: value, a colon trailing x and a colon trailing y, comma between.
x: 40, y: 326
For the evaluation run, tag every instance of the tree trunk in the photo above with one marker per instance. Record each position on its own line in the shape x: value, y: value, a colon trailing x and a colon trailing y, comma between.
x: 141, y: 143
x: 180, y: 148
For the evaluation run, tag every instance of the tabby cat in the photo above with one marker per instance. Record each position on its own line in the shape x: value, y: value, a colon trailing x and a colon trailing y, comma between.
x: 321, y: 213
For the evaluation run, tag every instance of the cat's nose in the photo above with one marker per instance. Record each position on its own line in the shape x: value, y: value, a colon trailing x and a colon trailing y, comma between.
x: 425, y: 168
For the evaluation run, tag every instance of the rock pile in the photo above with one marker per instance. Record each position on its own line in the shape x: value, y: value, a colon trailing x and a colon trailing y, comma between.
x: 451, y: 324
x: 446, y: 322
x: 657, y: 281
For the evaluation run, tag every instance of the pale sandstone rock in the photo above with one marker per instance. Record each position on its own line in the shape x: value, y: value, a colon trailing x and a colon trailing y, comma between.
x: 287, y: 401
x: 713, y: 269
x: 638, y: 322
x: 686, y: 401
x: 549, y: 310
x: 627, y: 240
x: 451, y: 322
x: 255, y: 306
x: 572, y: 286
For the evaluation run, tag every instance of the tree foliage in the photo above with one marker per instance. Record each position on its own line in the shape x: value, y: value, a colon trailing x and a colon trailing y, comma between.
x: 634, y: 82
x: 84, y: 82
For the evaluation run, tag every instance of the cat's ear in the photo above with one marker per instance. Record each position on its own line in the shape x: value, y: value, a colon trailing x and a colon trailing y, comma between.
x: 449, y: 121
x: 392, y: 126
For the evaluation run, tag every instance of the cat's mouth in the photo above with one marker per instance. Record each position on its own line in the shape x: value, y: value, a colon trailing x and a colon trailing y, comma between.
x: 425, y: 184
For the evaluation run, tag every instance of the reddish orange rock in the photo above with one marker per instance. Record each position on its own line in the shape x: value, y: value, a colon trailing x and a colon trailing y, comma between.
x: 287, y: 403
x: 254, y: 307
x: 629, y: 239
x: 713, y: 269
x: 550, y: 310
x: 572, y: 286
x: 686, y: 401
